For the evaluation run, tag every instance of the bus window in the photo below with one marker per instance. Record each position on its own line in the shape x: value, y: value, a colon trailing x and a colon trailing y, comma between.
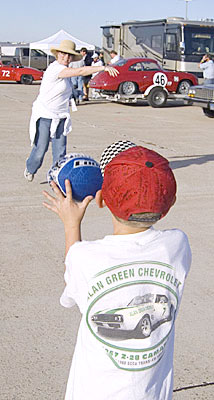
x: 171, y: 43
x: 149, y: 37
x: 156, y: 42
x: 199, y: 41
x: 109, y: 37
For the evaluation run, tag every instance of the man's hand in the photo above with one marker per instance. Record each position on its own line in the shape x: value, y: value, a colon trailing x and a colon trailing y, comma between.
x: 70, y: 212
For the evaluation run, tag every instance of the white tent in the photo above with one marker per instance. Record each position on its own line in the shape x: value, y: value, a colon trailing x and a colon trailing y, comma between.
x: 55, y: 40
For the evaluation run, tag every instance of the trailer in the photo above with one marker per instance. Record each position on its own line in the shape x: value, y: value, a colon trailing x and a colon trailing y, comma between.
x: 177, y: 44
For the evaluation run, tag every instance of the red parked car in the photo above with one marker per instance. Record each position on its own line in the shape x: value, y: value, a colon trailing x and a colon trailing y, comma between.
x: 144, y: 77
x: 20, y: 74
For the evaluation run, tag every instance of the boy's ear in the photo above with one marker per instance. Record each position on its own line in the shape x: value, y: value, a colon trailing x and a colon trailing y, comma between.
x: 99, y: 199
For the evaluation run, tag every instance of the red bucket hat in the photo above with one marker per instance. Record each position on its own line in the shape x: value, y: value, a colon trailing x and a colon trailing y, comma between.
x: 138, y: 180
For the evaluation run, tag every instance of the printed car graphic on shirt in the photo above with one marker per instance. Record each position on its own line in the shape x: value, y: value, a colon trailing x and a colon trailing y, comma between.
x: 137, y: 320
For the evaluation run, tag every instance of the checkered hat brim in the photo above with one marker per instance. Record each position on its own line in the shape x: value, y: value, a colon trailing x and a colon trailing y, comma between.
x: 111, y: 151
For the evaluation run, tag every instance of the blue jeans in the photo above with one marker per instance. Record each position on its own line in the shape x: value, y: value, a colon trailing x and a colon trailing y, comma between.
x: 77, y: 82
x: 41, y: 144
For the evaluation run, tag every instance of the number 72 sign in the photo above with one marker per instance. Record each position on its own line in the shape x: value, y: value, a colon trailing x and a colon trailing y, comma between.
x: 5, y: 73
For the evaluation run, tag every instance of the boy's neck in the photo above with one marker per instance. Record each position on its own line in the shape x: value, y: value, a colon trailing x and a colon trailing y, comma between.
x: 122, y: 229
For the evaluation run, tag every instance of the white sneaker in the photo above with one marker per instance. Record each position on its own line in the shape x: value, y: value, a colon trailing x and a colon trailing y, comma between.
x: 28, y: 175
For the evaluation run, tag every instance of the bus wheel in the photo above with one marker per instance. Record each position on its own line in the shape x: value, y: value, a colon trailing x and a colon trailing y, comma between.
x: 208, y: 113
x: 183, y: 87
x: 157, y: 97
x: 127, y: 88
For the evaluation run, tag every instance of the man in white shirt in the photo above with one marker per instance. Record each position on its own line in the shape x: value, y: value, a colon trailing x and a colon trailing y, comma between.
x: 114, y: 57
x: 207, y: 65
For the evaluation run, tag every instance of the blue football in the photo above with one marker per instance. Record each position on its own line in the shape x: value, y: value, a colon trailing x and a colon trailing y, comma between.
x: 82, y: 171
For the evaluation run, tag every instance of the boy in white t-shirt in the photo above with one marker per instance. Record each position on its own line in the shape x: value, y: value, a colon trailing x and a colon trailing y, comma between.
x: 128, y: 285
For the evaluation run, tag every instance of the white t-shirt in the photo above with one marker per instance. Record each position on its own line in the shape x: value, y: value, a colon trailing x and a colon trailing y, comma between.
x: 96, y: 64
x: 115, y: 59
x: 52, y: 101
x: 208, y: 69
x: 54, y: 91
x: 128, y: 289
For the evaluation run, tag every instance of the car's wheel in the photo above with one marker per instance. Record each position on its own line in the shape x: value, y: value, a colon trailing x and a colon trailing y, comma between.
x: 183, y: 87
x: 128, y: 88
x: 26, y: 79
x: 144, y: 327
x: 208, y: 113
x: 157, y: 97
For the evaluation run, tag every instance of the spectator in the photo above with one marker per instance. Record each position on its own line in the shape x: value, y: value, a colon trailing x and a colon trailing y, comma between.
x: 96, y: 62
x: 101, y: 57
x: 207, y: 65
x: 77, y: 81
x: 87, y: 61
x: 114, y: 57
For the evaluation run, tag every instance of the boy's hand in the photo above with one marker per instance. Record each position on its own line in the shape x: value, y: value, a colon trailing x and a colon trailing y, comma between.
x: 70, y: 212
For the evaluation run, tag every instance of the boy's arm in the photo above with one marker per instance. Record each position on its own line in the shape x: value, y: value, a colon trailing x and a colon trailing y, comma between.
x: 70, y: 212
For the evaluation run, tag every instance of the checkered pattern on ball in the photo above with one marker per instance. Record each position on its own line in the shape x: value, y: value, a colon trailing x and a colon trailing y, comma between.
x: 111, y: 151
x: 83, y: 173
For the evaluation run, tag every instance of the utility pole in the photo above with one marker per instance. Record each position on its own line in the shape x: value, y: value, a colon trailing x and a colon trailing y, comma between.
x: 187, y: 1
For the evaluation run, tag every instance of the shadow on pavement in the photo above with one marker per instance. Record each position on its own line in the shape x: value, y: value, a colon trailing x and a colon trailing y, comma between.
x: 198, y: 160
x: 170, y: 103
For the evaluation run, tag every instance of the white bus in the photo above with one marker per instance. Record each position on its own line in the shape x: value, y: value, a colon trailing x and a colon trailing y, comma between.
x: 177, y: 44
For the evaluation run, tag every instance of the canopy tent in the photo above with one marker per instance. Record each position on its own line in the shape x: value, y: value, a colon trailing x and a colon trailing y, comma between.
x: 55, y: 40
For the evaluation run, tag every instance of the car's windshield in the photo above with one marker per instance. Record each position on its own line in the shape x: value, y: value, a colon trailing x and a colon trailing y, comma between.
x: 38, y: 53
x: 146, y: 298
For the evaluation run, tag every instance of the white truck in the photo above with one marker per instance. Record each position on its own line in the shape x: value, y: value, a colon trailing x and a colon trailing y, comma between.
x: 27, y: 57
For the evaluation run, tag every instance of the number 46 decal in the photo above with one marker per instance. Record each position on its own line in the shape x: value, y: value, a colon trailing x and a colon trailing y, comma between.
x: 160, y: 79
x: 5, y: 73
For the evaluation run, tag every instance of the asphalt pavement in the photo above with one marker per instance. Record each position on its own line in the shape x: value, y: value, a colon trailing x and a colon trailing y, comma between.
x: 37, y: 334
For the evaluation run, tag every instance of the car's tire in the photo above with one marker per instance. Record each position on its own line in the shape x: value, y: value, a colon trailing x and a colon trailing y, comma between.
x: 208, y: 113
x: 157, y: 97
x: 26, y: 79
x: 128, y: 88
x: 184, y: 86
x: 144, y: 328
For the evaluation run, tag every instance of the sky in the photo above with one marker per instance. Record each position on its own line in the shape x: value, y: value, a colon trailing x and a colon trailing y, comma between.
x: 30, y: 21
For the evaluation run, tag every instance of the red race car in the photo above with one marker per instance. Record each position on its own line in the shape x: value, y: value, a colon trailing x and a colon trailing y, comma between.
x: 15, y: 72
x: 142, y: 78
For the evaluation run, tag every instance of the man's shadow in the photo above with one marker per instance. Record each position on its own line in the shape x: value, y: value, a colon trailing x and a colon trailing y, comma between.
x: 197, y: 160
